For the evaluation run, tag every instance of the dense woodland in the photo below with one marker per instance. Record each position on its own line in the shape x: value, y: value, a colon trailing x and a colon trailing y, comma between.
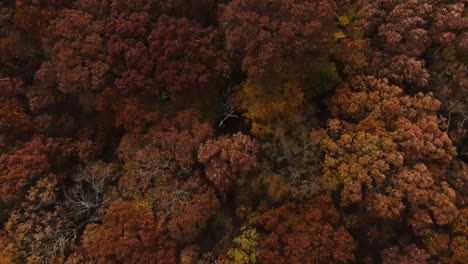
x: 233, y: 132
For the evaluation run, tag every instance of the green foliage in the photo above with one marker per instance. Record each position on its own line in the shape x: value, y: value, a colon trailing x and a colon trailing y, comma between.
x: 324, y: 77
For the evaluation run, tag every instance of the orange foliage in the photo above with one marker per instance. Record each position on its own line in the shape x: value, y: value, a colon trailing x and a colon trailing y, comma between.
x: 386, y: 153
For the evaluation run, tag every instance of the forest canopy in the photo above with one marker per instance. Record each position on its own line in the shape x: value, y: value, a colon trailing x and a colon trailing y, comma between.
x: 233, y: 131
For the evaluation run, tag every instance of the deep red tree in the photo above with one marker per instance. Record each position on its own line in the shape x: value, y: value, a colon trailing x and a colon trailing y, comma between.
x: 186, y: 57
x: 259, y: 33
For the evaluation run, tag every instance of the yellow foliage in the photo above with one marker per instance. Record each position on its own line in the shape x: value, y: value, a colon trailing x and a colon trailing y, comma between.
x: 190, y: 255
x: 247, y: 247
x: 142, y: 204
x: 339, y: 35
x: 343, y: 20
x: 128, y: 167
x: 346, y: 22
x: 271, y: 107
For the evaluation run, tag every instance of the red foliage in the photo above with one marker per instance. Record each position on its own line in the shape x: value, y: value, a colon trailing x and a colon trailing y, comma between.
x: 77, y: 51
x: 168, y: 152
x: 306, y: 232
x: 185, y: 56
x: 11, y: 87
x: 163, y: 175
x: 129, y: 234
x: 100, y: 164
x: 15, y: 123
x: 404, y: 254
x: 418, y: 45
x: 227, y: 159
x: 33, y: 16
x: 24, y: 164
x: 51, y: 109
x: 260, y: 32
x: 131, y: 64
x: 128, y: 27
x: 184, y: 208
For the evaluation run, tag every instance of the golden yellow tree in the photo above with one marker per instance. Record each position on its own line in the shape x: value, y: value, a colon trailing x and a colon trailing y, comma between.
x: 272, y: 105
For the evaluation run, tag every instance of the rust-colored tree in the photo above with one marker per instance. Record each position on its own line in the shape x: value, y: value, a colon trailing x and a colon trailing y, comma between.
x: 40, y: 230
x: 417, y: 45
x: 19, y: 56
x: 260, y: 32
x: 405, y: 254
x: 138, y: 239
x: 186, y: 57
x: 52, y: 110
x: 227, y: 159
x: 25, y: 164
x: 77, y: 51
x: 386, y: 154
x: 163, y: 175
x: 308, y: 232
x: 15, y: 123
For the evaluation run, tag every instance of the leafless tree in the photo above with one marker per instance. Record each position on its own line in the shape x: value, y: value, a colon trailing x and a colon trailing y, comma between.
x: 227, y: 107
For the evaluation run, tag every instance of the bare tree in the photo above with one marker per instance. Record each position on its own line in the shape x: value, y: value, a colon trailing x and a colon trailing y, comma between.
x: 227, y: 107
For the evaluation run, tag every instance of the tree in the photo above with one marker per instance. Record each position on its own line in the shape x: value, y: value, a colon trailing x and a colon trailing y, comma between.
x: 404, y: 253
x: 306, y: 232
x: 128, y: 26
x: 14, y: 121
x: 47, y: 225
x: 274, y: 105
x: 247, y: 247
x: 77, y: 51
x: 41, y: 235
x: 35, y: 159
x: 260, y: 32
x: 386, y: 154
x: 19, y: 55
x: 33, y: 17
x: 292, y: 168
x: 44, y: 100
x: 160, y: 55
x: 184, y: 208
x: 168, y: 152
x: 134, y: 114
x: 163, y: 174
x: 138, y: 240
x: 227, y: 159
x: 186, y: 57
x: 449, y: 246
x: 417, y: 45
